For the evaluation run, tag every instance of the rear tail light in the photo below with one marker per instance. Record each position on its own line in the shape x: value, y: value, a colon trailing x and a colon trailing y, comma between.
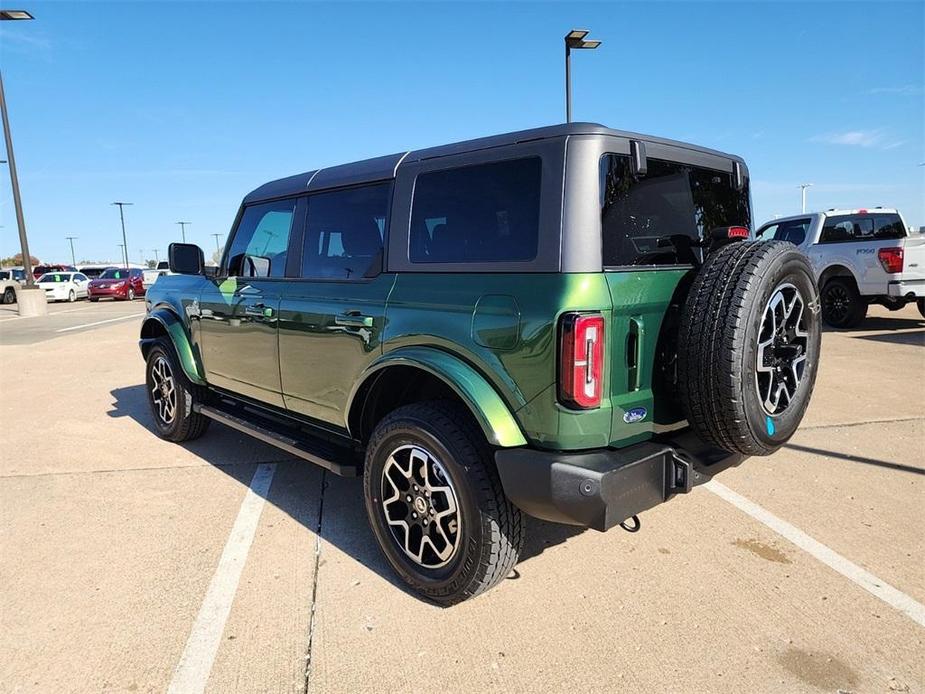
x: 891, y: 259
x: 737, y: 233
x: 581, y: 360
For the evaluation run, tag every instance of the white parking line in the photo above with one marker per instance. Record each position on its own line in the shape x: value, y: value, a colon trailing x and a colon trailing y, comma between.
x: 195, y: 664
x: 879, y: 588
x: 99, y: 322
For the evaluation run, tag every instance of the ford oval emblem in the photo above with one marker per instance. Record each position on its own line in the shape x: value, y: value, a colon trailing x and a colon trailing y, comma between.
x: 637, y: 414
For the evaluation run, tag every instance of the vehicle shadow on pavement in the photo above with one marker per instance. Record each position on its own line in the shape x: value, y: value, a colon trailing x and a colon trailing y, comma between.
x: 329, y: 506
x: 856, y: 459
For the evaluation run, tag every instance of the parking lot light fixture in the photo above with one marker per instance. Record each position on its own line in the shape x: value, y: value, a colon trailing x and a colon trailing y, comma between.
x: 183, y: 229
x: 124, y: 243
x: 574, y: 39
x: 14, y: 15
x: 803, y: 187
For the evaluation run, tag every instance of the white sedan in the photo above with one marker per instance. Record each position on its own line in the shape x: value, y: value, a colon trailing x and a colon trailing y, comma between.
x: 64, y: 286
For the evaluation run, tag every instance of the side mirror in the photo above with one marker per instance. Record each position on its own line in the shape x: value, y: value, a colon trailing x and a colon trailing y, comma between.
x: 185, y: 258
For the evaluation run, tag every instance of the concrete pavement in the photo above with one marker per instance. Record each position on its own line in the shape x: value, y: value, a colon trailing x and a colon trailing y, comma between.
x: 111, y: 540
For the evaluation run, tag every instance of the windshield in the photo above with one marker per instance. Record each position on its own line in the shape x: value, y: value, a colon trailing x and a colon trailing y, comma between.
x: 653, y: 219
x: 54, y: 277
x: 113, y: 274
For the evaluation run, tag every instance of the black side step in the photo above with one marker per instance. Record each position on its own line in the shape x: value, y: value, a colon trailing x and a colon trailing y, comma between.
x: 319, y: 453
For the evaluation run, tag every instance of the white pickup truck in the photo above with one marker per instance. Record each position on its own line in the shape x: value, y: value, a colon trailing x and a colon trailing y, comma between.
x: 860, y: 257
x: 149, y: 277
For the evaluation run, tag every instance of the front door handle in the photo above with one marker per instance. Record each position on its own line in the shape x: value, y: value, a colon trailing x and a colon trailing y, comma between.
x: 258, y: 310
x: 353, y: 319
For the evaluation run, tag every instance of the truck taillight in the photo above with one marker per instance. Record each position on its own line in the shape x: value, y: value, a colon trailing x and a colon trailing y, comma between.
x: 891, y: 259
x: 581, y: 360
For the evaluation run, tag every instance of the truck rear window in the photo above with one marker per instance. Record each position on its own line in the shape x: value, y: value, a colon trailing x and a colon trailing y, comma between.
x: 861, y: 227
x: 651, y: 220
x: 483, y: 213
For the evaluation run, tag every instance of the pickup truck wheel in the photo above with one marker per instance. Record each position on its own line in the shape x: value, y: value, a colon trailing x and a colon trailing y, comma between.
x: 749, y: 346
x: 436, y: 505
x: 171, y: 397
x: 842, y: 305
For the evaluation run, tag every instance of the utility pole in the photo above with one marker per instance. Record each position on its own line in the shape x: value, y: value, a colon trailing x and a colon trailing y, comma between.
x: 73, y: 258
x: 156, y: 257
x: 803, y: 187
x: 124, y: 241
x: 217, y: 247
x: 183, y: 229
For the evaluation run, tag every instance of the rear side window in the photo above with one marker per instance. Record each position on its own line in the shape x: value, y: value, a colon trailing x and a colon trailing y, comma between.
x: 344, y: 232
x: 652, y: 220
x: 261, y: 240
x: 485, y: 213
x: 861, y: 227
x: 793, y: 231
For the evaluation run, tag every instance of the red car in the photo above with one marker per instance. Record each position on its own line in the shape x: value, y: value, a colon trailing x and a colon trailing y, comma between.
x: 117, y: 283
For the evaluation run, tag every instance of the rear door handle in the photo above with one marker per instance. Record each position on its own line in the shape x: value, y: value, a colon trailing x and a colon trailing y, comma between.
x: 353, y: 319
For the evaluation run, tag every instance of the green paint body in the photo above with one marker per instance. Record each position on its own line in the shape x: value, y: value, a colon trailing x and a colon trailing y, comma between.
x: 491, y: 337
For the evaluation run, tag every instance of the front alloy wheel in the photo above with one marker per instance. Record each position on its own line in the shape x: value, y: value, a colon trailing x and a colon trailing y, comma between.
x: 171, y: 396
x: 163, y: 391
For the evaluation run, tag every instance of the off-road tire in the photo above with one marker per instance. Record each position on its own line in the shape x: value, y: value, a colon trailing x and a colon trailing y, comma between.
x: 187, y: 424
x: 491, y: 533
x: 921, y: 304
x: 842, y: 305
x: 9, y: 296
x: 718, y: 345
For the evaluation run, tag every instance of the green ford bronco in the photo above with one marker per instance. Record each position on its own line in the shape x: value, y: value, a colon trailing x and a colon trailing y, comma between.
x: 570, y: 322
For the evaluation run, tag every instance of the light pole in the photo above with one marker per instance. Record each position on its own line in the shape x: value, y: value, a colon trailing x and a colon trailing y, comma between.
x: 217, y: 247
x: 803, y: 187
x: 73, y: 259
x: 157, y: 258
x: 14, y: 15
x: 574, y: 39
x: 124, y: 243
x: 183, y: 229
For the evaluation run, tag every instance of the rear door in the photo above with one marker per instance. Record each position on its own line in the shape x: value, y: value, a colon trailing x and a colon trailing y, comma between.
x: 239, y: 308
x: 332, y: 316
x: 651, y: 225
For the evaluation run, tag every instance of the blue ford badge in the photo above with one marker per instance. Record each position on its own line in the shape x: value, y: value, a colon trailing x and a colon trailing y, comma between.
x: 637, y: 414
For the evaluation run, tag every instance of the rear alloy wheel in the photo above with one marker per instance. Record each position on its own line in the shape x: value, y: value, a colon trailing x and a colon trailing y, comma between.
x: 9, y: 296
x: 436, y: 504
x: 171, y: 397
x: 842, y: 305
x: 748, y: 346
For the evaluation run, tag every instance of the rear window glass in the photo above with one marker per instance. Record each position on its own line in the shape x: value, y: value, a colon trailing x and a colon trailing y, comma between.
x: 861, y: 227
x: 486, y: 213
x: 652, y: 220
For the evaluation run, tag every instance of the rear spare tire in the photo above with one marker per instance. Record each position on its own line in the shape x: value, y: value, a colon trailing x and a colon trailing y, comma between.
x: 748, y: 346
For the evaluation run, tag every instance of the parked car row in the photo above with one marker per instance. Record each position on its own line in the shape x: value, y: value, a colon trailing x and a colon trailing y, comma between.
x: 114, y: 283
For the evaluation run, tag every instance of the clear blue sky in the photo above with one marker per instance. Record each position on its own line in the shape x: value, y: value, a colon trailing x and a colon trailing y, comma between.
x: 183, y: 108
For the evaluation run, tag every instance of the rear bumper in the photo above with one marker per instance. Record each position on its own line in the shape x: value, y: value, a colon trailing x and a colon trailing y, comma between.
x: 601, y: 488
x: 906, y: 289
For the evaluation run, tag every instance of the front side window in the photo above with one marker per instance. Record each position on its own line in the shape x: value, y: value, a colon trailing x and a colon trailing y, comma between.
x: 793, y: 231
x: 344, y: 232
x: 861, y: 227
x: 485, y: 213
x: 261, y: 240
x: 657, y: 219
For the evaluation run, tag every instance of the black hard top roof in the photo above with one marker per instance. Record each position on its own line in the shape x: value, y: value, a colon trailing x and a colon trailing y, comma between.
x: 383, y: 168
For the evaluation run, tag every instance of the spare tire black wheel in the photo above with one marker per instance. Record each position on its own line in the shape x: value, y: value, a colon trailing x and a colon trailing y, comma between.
x: 842, y: 305
x: 748, y: 346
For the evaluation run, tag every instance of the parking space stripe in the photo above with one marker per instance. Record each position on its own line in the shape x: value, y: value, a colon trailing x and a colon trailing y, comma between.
x: 195, y: 664
x: 99, y: 322
x: 872, y: 584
